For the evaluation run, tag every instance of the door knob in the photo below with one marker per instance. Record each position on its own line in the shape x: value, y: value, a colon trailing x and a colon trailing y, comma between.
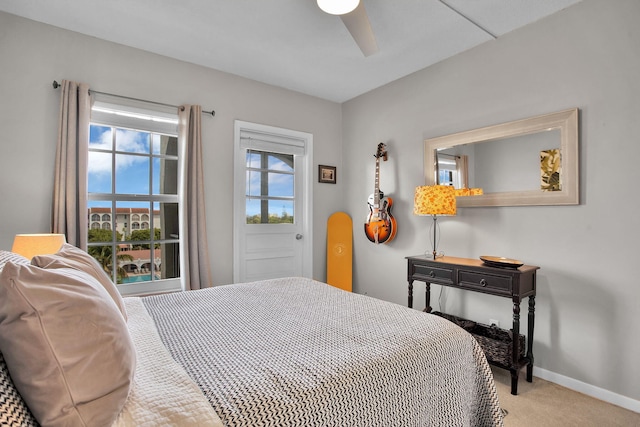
x: 298, y: 236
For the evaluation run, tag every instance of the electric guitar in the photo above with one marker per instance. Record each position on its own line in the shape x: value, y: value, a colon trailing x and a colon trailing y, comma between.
x: 381, y: 226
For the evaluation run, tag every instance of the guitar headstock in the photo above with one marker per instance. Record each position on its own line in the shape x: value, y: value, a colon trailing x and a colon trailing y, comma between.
x: 381, y: 152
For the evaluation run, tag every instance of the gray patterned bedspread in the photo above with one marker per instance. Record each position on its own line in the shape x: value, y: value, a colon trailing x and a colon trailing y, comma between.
x: 296, y: 352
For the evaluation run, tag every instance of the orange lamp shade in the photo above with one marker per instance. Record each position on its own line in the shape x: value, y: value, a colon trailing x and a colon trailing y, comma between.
x: 30, y: 245
x: 434, y: 200
x: 468, y: 192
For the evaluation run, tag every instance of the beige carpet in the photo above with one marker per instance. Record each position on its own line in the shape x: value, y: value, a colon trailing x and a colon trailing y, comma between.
x: 542, y: 404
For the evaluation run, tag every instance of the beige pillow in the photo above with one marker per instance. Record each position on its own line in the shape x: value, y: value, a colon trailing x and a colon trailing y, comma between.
x: 71, y: 257
x: 66, y: 345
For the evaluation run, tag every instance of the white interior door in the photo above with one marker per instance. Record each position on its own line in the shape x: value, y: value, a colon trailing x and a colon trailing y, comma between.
x: 272, y: 203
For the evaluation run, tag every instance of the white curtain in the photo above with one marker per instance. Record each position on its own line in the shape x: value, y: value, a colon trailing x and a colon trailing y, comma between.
x: 195, y: 272
x: 69, y: 212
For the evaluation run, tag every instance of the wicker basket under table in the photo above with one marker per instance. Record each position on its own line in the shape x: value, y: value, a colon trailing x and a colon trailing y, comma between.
x: 496, y: 343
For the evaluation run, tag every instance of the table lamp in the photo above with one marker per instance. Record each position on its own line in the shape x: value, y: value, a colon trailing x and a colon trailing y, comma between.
x: 30, y: 245
x: 434, y: 200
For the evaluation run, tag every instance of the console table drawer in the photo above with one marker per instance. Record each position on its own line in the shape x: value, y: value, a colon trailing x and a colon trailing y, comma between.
x: 432, y: 274
x: 491, y: 283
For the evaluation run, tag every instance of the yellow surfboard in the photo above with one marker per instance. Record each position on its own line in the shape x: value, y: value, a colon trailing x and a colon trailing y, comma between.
x: 340, y: 251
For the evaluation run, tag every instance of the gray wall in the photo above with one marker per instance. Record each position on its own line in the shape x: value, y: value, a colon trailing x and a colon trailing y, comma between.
x: 588, y: 301
x: 33, y: 55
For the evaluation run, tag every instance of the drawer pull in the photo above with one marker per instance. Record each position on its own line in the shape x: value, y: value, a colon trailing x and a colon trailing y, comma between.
x: 483, y: 282
x: 432, y: 274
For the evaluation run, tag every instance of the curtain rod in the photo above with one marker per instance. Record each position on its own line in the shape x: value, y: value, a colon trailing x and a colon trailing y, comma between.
x: 56, y: 85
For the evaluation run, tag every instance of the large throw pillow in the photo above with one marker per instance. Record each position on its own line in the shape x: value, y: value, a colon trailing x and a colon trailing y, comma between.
x: 6, y: 256
x: 71, y: 257
x: 66, y: 345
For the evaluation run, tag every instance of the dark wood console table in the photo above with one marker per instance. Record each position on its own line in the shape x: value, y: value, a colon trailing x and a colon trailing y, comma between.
x: 474, y: 275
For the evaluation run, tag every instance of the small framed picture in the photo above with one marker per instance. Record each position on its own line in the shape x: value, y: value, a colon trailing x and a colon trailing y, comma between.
x: 327, y: 174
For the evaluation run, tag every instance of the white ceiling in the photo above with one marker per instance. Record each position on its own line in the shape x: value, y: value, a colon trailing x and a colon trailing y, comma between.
x: 292, y: 43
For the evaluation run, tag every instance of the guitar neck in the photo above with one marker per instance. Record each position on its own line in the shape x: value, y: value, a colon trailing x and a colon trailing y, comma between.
x: 376, y: 190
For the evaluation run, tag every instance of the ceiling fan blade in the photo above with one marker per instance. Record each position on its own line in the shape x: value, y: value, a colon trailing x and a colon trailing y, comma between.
x: 357, y: 22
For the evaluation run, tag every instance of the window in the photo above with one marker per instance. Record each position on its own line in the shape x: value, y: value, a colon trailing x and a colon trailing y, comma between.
x: 447, y: 174
x: 270, y: 190
x: 452, y: 169
x: 133, y: 174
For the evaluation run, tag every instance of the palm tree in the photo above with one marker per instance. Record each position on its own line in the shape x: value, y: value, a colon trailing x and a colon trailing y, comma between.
x: 104, y: 255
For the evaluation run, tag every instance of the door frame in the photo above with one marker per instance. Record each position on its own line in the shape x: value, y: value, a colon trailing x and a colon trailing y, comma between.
x: 239, y: 189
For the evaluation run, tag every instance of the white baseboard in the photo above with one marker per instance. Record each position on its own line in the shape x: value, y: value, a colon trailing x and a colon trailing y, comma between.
x: 589, y: 390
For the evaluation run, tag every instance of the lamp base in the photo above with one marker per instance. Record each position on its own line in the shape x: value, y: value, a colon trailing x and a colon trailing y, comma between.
x: 433, y: 255
x: 434, y: 244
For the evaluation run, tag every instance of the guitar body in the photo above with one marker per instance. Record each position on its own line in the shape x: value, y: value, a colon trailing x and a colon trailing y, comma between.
x: 380, y: 226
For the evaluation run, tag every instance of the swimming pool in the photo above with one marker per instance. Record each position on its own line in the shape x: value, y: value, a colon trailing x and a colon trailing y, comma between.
x: 134, y: 279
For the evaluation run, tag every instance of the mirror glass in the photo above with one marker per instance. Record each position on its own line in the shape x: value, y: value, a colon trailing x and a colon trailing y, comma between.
x: 533, y: 161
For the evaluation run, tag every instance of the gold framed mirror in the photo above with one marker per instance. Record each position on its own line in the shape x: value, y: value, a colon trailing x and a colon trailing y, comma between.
x: 527, y: 162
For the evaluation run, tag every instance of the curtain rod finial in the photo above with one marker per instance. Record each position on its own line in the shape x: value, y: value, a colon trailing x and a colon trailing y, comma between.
x: 55, y: 84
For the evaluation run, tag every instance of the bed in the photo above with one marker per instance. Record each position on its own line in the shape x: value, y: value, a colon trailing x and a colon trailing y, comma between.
x: 281, y: 352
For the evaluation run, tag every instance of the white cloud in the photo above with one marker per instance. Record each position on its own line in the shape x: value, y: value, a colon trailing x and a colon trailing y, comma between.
x: 132, y: 141
x: 127, y: 141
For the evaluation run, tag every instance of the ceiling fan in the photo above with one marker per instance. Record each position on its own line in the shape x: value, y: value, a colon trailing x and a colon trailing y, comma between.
x: 354, y: 16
